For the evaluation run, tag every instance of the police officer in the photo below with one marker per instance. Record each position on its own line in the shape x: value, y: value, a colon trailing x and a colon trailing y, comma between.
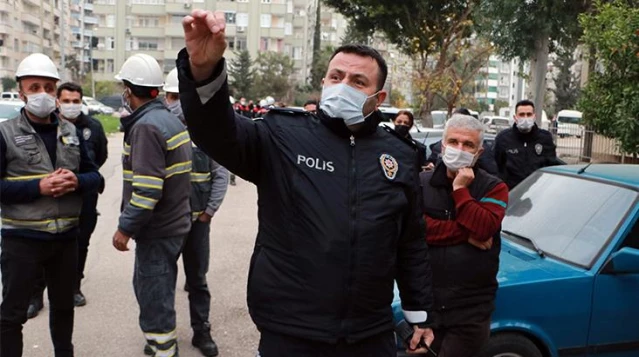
x: 339, y: 215
x: 524, y: 148
x: 209, y: 182
x: 45, y: 169
x: 69, y: 104
x: 156, y: 164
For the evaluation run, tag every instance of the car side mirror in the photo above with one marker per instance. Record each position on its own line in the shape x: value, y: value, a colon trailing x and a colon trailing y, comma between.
x: 624, y: 261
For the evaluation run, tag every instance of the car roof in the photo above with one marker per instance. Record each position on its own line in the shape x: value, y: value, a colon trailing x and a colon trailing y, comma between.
x: 619, y: 174
x: 574, y: 113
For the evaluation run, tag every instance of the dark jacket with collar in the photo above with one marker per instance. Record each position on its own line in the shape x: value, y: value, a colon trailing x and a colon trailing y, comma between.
x: 339, y: 216
x: 463, y: 275
x: 94, y: 137
x: 520, y: 154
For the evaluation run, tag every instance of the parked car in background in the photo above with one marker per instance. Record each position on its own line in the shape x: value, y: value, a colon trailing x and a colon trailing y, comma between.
x: 495, y: 124
x: 112, y: 101
x: 10, y: 96
x: 10, y: 109
x: 569, y: 265
x: 96, y: 107
x: 569, y: 123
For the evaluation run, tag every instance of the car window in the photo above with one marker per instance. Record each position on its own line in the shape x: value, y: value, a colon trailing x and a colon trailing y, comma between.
x: 632, y: 240
x: 486, y: 120
x: 568, y: 217
x: 569, y: 120
x: 502, y: 122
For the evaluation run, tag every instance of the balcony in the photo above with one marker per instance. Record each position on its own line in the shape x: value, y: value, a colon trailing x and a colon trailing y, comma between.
x: 6, y: 29
x: 5, y: 7
x: 272, y: 32
x: 148, y: 10
x: 299, y: 21
x: 76, y: 30
x: 91, y: 20
x: 171, y: 55
x: 88, y: 33
x: 274, y: 9
x: 88, y: 6
x: 178, y: 8
x: 148, y: 32
x: 77, y: 44
x: 32, y: 19
x: 176, y: 30
x: 33, y: 2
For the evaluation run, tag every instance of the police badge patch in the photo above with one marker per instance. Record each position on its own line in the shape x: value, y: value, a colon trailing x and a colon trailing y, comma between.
x: 539, y: 148
x: 86, y: 133
x: 389, y: 166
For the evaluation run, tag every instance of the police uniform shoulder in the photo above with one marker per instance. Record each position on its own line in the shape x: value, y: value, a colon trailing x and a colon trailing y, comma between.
x: 406, y: 141
x: 288, y: 111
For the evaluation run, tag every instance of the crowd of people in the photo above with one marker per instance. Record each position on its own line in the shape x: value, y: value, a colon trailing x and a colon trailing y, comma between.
x: 347, y: 208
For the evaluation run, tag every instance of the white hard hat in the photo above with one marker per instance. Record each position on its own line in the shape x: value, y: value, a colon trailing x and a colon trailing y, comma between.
x: 232, y: 99
x: 141, y: 70
x: 171, y: 84
x: 263, y: 103
x: 269, y: 100
x: 37, y: 65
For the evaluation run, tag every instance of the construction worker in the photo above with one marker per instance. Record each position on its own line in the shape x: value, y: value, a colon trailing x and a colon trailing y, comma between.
x: 209, y: 182
x: 44, y: 171
x: 69, y: 104
x: 156, y: 165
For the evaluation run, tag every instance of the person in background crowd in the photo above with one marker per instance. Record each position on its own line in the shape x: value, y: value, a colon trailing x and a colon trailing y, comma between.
x: 403, y: 123
x: 486, y: 159
x: 311, y: 106
x: 45, y: 169
x: 521, y: 150
x: 340, y: 162
x: 464, y: 207
x: 156, y: 165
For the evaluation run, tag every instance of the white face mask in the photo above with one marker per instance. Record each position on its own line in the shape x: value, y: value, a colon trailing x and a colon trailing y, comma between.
x: 525, y: 124
x: 455, y: 159
x: 40, y: 104
x: 70, y: 110
x: 345, y: 102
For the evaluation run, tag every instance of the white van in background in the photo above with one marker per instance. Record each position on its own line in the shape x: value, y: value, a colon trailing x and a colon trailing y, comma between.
x: 569, y: 123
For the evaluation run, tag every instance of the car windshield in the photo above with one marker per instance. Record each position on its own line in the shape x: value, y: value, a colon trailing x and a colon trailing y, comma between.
x: 569, y: 120
x: 439, y: 118
x: 9, y: 111
x: 569, y: 218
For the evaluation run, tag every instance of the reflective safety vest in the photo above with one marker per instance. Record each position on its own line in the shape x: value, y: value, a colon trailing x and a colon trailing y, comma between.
x: 200, y: 182
x: 27, y: 159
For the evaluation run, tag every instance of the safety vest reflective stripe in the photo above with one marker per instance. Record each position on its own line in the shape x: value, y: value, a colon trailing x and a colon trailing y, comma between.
x: 148, y: 182
x: 179, y: 168
x: 166, y: 353
x: 156, y: 339
x: 127, y: 175
x: 178, y: 140
x: 143, y: 202
x: 196, y: 215
x: 127, y: 150
x: 200, y: 176
x: 26, y: 178
x: 58, y: 225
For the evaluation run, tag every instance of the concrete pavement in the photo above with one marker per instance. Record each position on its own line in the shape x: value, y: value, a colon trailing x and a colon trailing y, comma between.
x: 108, y: 324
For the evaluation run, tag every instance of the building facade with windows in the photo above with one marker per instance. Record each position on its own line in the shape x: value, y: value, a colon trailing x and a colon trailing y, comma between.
x: 500, y: 80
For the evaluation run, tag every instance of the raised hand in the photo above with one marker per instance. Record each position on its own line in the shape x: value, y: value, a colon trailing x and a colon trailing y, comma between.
x: 204, y: 34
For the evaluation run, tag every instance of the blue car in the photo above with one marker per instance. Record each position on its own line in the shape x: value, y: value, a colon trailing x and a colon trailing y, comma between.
x: 569, y: 266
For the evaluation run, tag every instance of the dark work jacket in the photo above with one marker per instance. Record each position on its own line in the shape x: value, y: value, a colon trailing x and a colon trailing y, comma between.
x: 520, y: 154
x: 339, y: 214
x: 463, y: 275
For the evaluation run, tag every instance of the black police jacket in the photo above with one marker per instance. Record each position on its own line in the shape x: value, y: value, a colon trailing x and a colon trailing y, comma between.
x: 339, y: 214
x: 520, y: 154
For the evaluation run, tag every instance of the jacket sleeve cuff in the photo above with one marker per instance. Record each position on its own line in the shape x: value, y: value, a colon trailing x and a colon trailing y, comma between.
x: 461, y: 196
x: 208, y: 88
x: 210, y: 211
x: 125, y: 231
x: 421, y: 319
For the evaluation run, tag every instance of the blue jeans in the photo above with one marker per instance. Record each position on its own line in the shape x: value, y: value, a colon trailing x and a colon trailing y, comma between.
x: 154, y: 279
x: 195, y: 256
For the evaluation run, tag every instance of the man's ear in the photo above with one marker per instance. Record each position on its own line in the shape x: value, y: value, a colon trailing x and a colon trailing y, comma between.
x: 381, y: 96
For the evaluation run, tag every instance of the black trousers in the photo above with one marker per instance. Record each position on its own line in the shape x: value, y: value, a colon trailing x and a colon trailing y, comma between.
x: 88, y: 221
x: 22, y: 261
x: 195, y: 256
x: 277, y: 345
x: 461, y: 332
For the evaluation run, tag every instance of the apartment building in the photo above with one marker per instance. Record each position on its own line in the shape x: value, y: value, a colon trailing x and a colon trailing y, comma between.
x: 499, y: 80
x: 28, y: 26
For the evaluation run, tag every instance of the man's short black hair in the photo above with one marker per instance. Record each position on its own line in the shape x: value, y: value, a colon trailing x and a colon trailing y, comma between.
x: 71, y: 87
x: 309, y: 102
x: 463, y: 111
x: 141, y: 91
x: 524, y: 102
x: 366, y: 51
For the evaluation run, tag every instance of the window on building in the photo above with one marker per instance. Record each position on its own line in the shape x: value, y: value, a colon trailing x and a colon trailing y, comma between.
x: 263, y: 44
x: 266, y: 1
x: 109, y: 21
x: 147, y: 44
x: 289, y: 6
x: 287, y: 50
x: 288, y: 28
x: 231, y: 43
x: 177, y: 43
x: 503, y: 92
x: 242, y: 19
x: 110, y: 43
x: 128, y: 45
x: 503, y: 80
x: 230, y: 17
x: 297, y: 53
x: 110, y: 66
x: 240, y: 43
x: 176, y: 19
x: 265, y: 20
x: 148, y: 21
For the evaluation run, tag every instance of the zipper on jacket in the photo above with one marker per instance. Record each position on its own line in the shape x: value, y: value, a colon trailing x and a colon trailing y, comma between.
x: 352, y: 233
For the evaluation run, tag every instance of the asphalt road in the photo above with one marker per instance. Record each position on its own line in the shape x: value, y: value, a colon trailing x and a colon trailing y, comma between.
x: 108, y: 324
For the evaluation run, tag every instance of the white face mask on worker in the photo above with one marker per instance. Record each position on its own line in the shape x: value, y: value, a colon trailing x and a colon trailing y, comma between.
x: 70, y: 110
x: 40, y: 104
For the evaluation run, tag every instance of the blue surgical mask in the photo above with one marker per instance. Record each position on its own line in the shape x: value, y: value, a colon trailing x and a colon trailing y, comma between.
x: 345, y: 102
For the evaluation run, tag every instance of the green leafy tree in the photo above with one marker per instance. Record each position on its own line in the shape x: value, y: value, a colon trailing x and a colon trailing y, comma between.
x: 241, y: 75
x: 8, y: 83
x: 609, y: 99
x: 566, y: 83
x: 356, y: 35
x: 316, y: 65
x: 319, y: 67
x: 273, y: 76
x: 426, y: 30
x: 528, y: 30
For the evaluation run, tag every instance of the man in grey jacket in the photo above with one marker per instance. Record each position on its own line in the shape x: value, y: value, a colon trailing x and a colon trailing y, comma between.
x: 209, y: 181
